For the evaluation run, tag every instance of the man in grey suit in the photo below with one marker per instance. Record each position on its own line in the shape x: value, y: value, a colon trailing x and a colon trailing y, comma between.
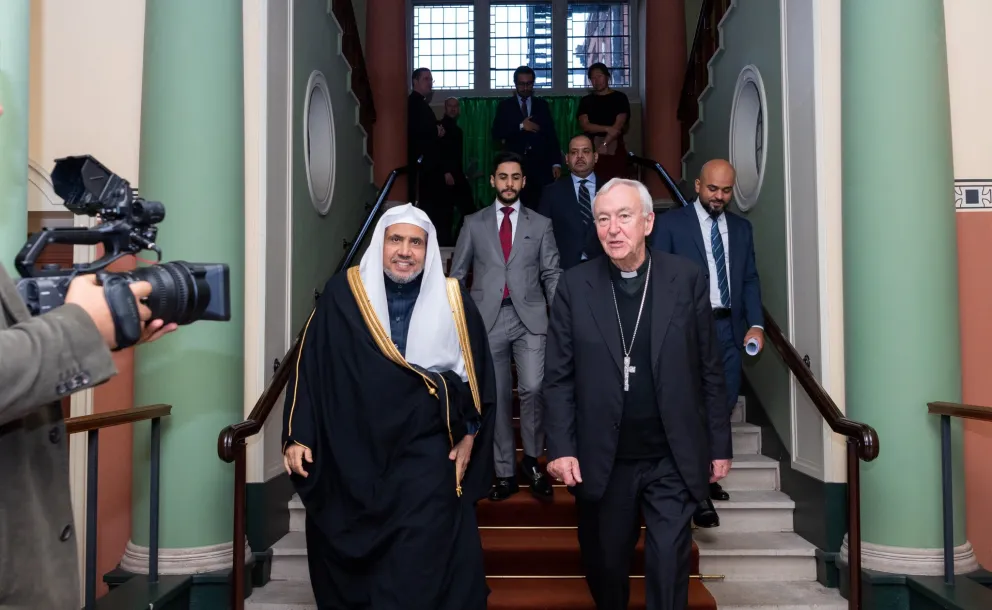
x: 514, y: 260
x: 42, y: 360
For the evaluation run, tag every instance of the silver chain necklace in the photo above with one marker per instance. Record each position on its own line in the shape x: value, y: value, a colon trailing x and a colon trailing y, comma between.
x: 627, y: 369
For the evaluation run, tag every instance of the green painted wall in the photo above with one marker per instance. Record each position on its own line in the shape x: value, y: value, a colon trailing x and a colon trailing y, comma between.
x: 751, y: 36
x: 902, y: 336
x: 192, y: 160
x: 15, y: 29
x: 317, y: 241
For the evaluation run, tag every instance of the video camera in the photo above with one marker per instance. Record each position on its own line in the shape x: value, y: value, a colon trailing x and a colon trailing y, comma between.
x: 181, y: 292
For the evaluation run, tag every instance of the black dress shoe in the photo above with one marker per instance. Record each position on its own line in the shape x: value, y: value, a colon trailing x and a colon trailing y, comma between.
x: 503, y: 489
x: 706, y: 515
x: 539, y: 484
x: 717, y: 492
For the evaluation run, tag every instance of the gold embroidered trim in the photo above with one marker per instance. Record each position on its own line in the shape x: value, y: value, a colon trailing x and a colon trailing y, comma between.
x: 451, y: 440
x: 388, y: 348
x: 296, y: 443
x: 461, y: 324
x: 379, y: 335
x: 296, y: 379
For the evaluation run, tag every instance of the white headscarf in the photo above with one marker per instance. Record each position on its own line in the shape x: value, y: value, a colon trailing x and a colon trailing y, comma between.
x: 432, y: 342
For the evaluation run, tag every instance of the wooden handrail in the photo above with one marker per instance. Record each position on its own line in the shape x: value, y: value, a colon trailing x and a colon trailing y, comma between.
x: 954, y: 409
x: 862, y: 434
x: 947, y: 410
x: 85, y: 423
x: 862, y: 440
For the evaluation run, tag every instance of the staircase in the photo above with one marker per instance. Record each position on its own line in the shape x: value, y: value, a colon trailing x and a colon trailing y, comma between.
x: 532, y: 553
x: 532, y: 558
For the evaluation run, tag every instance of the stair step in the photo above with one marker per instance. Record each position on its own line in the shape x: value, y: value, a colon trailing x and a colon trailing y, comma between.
x: 573, y: 594
x: 507, y: 594
x: 746, y: 437
x: 289, y: 559
x: 752, y: 472
x: 765, y: 556
x: 783, y: 595
x: 282, y: 595
x: 545, y: 553
x: 761, y: 510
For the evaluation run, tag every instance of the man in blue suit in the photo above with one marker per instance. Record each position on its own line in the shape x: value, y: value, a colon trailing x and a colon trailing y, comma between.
x: 722, y: 243
x: 524, y: 125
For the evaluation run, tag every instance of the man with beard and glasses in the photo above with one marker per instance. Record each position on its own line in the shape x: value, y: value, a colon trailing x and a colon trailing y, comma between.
x: 722, y: 243
x: 387, y: 429
x: 514, y: 262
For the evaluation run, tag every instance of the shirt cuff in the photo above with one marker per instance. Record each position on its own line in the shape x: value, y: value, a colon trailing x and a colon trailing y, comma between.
x: 761, y: 328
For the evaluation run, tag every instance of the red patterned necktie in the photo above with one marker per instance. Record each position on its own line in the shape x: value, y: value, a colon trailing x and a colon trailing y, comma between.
x: 506, y: 240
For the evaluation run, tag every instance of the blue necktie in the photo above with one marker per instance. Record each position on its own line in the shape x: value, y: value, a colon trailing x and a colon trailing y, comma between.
x: 721, y: 265
x: 585, y: 203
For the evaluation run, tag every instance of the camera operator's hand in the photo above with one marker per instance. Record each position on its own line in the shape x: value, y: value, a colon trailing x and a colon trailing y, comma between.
x: 85, y: 292
x: 155, y: 329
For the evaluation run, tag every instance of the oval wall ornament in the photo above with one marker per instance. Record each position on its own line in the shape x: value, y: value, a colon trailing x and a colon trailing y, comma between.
x: 748, y: 136
x: 318, y: 142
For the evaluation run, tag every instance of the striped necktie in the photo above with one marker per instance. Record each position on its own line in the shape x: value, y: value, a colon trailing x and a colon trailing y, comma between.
x: 585, y: 203
x: 721, y: 265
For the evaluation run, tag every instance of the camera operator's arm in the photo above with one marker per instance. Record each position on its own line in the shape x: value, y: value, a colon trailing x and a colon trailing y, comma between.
x: 46, y: 358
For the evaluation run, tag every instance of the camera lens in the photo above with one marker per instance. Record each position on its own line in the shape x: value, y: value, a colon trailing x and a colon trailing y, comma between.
x: 181, y: 292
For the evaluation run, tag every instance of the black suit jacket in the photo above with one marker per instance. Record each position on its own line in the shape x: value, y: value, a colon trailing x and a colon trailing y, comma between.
x: 559, y: 203
x: 421, y: 134
x: 583, y: 385
x: 451, y: 146
x: 541, y: 150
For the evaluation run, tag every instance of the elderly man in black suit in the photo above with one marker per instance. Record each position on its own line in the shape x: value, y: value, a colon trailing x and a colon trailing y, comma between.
x: 636, y: 417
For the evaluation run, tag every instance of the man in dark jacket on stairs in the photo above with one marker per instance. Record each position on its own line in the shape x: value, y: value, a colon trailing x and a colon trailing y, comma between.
x: 636, y: 417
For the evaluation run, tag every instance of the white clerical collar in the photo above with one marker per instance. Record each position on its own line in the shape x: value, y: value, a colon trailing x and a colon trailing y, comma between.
x: 628, y: 274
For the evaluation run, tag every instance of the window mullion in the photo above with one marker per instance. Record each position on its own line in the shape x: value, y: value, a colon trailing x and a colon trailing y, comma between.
x: 559, y: 47
x: 483, y: 63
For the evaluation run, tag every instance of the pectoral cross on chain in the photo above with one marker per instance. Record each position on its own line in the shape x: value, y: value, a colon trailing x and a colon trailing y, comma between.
x: 627, y: 370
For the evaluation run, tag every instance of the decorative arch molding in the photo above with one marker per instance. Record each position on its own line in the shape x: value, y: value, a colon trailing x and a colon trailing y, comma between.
x: 41, y: 191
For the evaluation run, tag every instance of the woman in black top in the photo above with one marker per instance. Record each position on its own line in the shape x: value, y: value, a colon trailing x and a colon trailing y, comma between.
x: 603, y: 117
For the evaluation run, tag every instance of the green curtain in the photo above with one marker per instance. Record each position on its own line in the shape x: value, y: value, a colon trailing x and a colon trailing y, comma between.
x: 476, y: 122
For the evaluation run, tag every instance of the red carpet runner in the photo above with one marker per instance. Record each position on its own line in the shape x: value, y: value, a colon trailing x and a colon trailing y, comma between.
x: 532, y: 557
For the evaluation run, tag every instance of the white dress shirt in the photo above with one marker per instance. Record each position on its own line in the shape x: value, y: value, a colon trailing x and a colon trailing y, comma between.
x: 705, y: 226
x: 590, y: 186
x: 513, y: 218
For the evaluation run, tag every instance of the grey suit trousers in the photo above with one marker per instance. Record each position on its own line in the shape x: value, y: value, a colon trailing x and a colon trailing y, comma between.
x: 509, y: 337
